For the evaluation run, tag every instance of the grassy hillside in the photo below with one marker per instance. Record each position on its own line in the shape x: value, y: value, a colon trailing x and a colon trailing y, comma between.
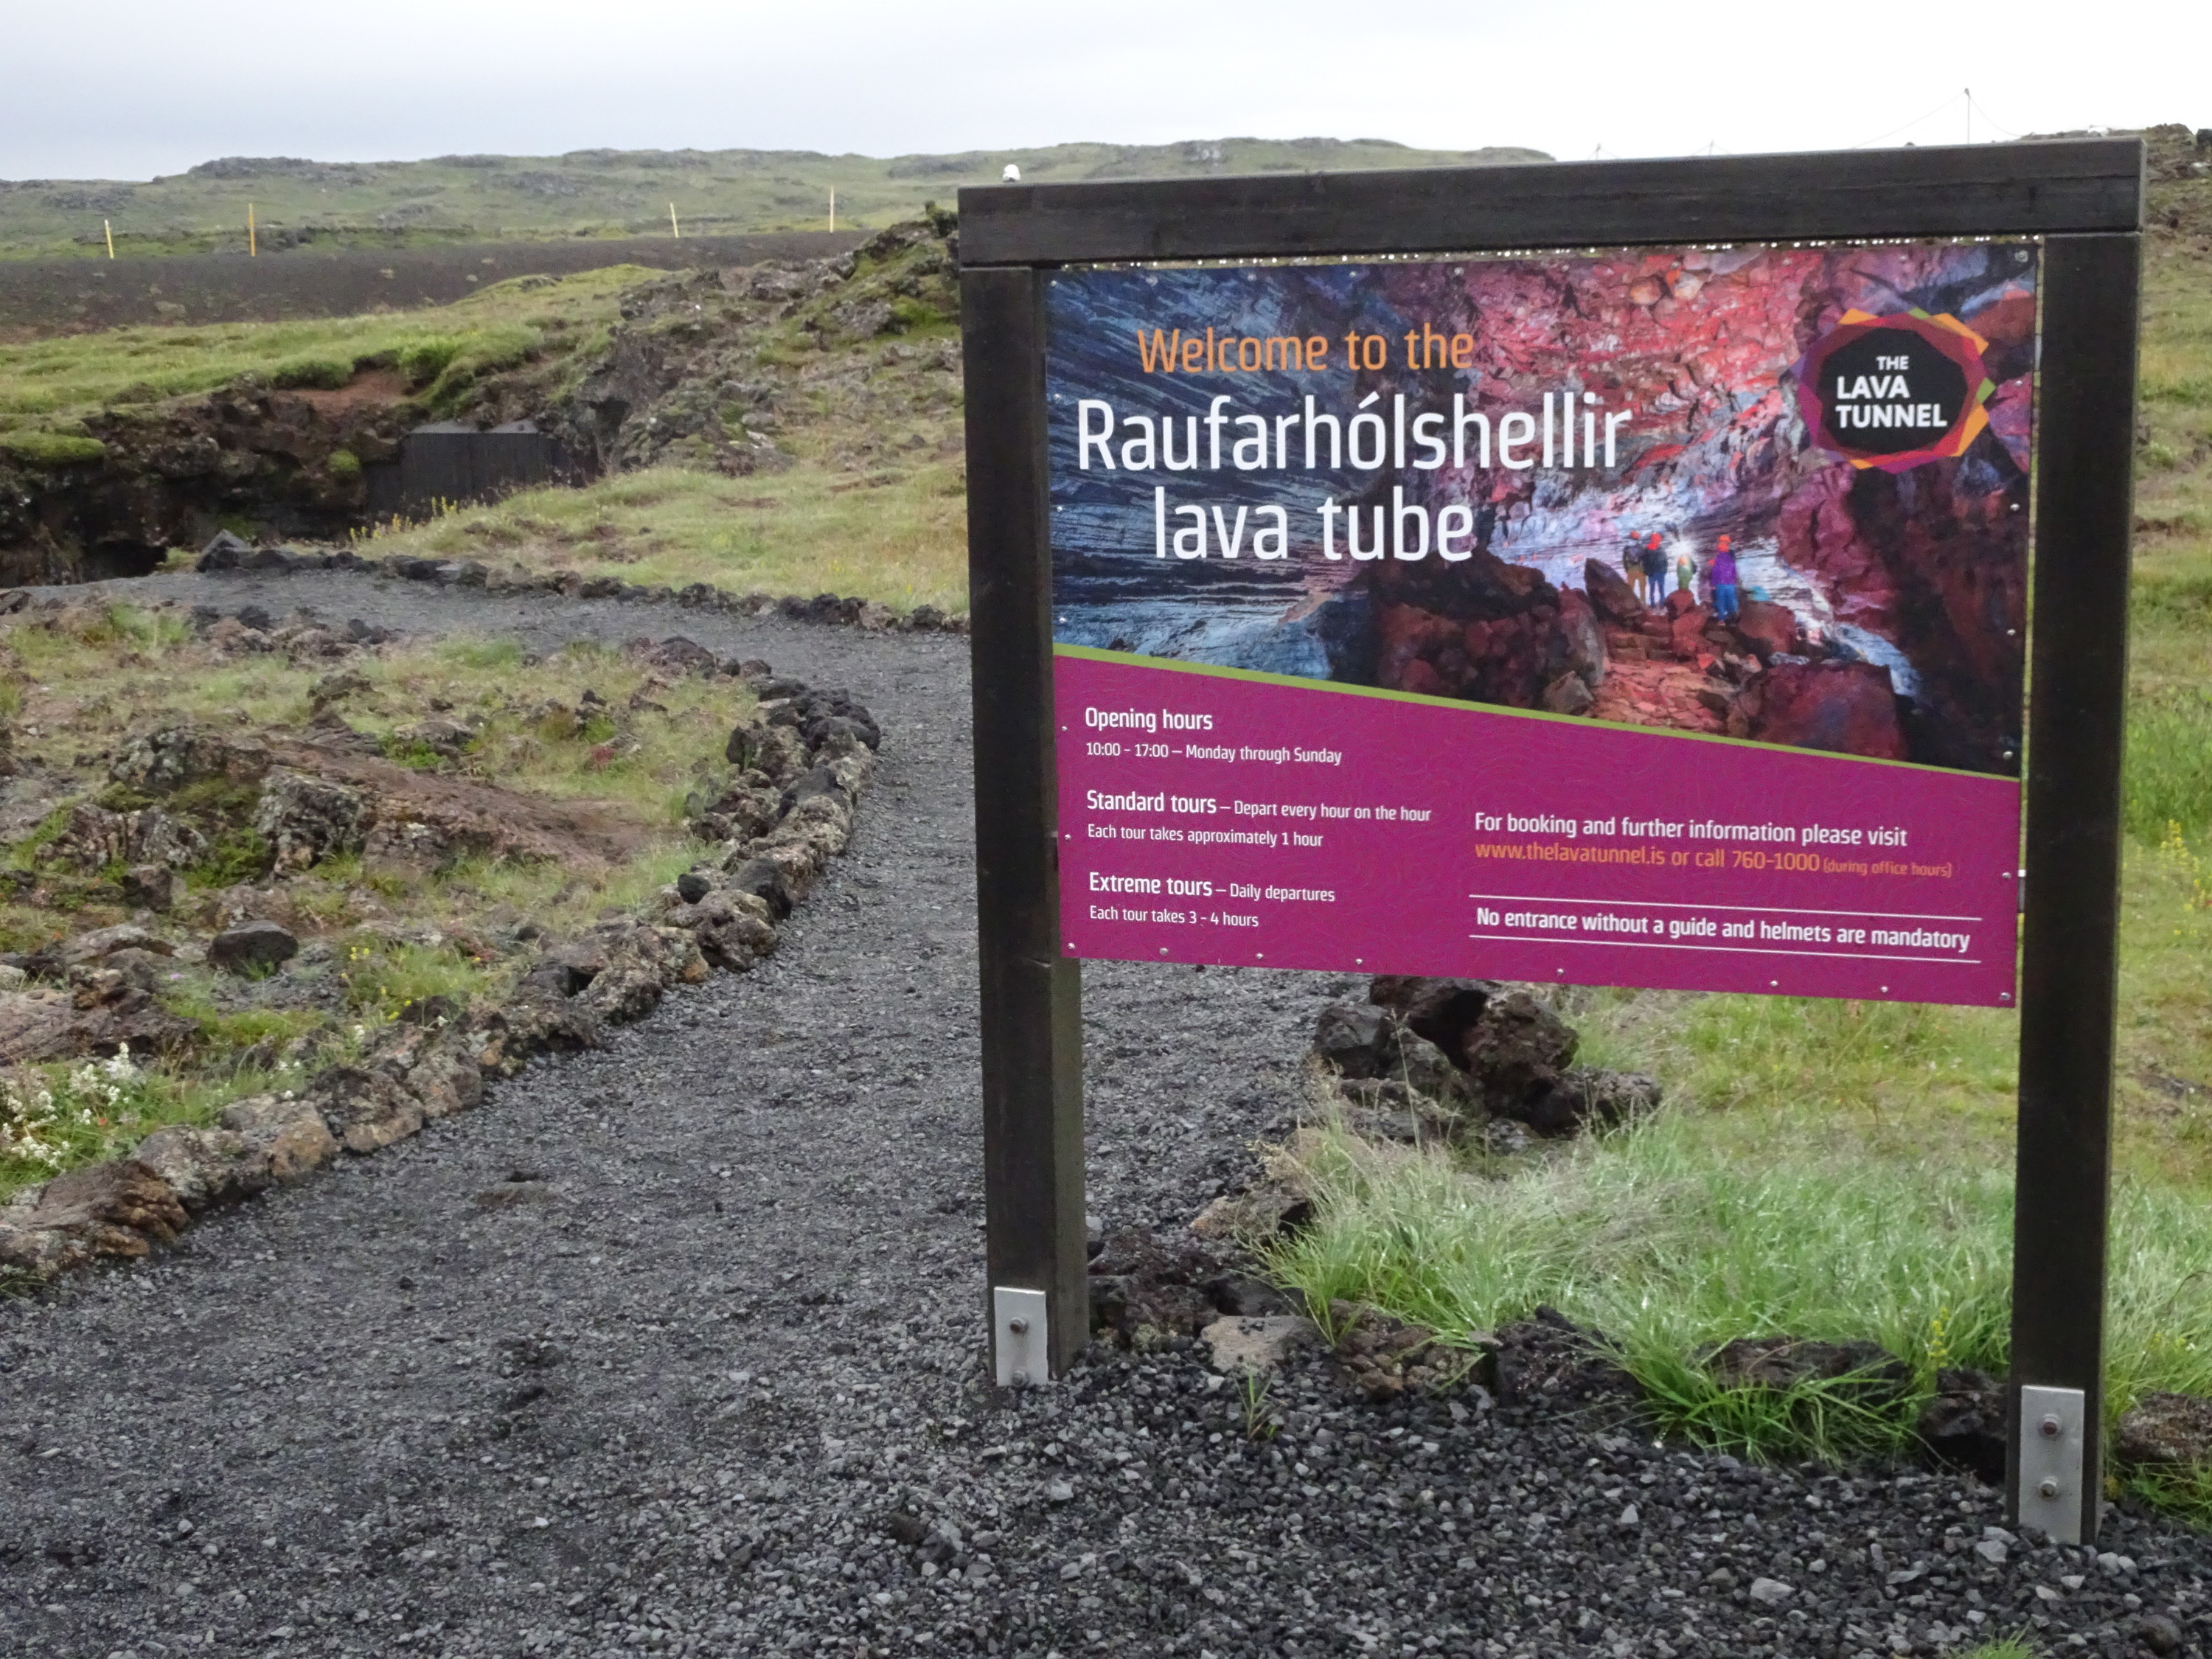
x: 602, y: 193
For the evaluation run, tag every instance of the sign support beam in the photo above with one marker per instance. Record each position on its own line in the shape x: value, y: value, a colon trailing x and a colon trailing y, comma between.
x: 2069, y: 956
x: 1032, y: 995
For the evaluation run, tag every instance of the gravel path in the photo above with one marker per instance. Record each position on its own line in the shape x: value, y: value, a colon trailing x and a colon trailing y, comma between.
x: 674, y: 1348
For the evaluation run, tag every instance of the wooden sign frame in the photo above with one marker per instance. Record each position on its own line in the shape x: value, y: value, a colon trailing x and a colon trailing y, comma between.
x: 2083, y: 197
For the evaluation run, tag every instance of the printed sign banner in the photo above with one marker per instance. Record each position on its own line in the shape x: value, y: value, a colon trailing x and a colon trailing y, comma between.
x: 1654, y: 617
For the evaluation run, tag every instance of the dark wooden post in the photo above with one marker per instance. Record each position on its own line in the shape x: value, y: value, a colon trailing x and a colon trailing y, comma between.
x: 2068, y: 938
x: 1032, y: 1012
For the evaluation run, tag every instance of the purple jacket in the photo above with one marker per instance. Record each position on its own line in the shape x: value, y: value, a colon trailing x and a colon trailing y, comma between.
x: 1724, y: 569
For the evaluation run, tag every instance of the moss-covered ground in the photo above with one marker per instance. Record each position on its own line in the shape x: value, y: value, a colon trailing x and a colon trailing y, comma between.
x: 75, y: 683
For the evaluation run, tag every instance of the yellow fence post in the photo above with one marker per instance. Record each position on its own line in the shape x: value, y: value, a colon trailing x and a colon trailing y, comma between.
x: 252, y: 246
x: 674, y: 229
x: 109, y: 227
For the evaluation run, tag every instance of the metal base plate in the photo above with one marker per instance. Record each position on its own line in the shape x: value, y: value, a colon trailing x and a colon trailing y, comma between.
x: 2050, y: 1462
x: 1018, y: 1337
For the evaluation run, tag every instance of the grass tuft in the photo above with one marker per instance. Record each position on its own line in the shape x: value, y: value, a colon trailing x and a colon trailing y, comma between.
x: 2169, y: 765
x: 327, y: 374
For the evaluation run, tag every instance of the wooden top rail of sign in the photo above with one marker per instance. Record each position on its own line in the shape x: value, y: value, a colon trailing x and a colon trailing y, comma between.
x: 2052, y: 185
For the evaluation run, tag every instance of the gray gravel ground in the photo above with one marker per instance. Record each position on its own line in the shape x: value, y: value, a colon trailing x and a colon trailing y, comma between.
x: 674, y: 1349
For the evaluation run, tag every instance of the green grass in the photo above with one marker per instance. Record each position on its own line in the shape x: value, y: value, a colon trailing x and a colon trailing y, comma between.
x: 2169, y: 765
x: 1822, y: 1170
x: 808, y: 529
x: 1697, y: 1227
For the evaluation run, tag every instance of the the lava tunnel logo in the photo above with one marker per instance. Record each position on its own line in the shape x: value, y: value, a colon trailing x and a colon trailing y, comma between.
x: 1894, y: 391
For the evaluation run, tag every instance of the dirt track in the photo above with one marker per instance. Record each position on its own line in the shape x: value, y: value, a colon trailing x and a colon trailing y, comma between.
x: 776, y: 1177
x: 72, y: 296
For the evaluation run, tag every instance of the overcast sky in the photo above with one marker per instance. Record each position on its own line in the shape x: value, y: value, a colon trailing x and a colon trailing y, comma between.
x: 132, y: 87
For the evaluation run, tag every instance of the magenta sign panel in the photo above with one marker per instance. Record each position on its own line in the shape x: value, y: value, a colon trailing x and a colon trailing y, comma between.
x: 1648, y: 618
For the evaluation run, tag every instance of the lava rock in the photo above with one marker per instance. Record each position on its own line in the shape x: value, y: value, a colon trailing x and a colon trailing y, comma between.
x: 1441, y: 1010
x: 1843, y: 708
x: 763, y: 880
x: 1348, y: 1037
x: 149, y: 886
x: 1767, y: 629
x: 252, y: 946
x: 224, y: 552
x: 678, y: 655
x: 2166, y: 1430
x: 1547, y: 1363
x: 119, y: 1209
x: 94, y: 838
x: 1963, y: 1425
x: 43, y: 1025
x: 1265, y: 1211
x: 205, y: 1167
x: 1569, y: 694
x: 1862, y: 1369
x: 1261, y: 1343
x: 291, y: 1134
x: 1516, y: 1052
x: 1610, y: 593
x: 54, y: 959
x: 308, y: 818
x: 366, y: 1109
x: 1384, y: 1357
x: 1588, y: 1096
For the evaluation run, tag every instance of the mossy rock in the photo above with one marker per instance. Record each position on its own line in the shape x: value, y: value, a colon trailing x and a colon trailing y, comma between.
x: 51, y: 449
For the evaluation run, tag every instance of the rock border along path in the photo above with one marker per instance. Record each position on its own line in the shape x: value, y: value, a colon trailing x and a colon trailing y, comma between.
x: 672, y: 1348
x: 228, y: 554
